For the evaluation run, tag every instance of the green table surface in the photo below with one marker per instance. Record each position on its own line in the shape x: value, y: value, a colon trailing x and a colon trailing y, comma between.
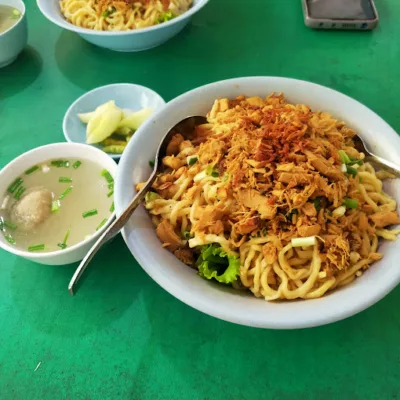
x: 124, y: 337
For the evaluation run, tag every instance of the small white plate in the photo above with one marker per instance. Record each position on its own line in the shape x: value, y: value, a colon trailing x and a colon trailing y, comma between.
x: 126, y: 95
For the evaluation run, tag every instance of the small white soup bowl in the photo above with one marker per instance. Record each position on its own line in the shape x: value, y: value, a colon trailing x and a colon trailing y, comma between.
x: 13, y: 40
x: 53, y: 151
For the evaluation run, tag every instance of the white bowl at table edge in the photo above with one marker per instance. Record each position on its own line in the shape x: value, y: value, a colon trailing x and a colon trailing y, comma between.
x: 53, y: 151
x: 125, y: 41
x: 182, y: 282
x: 126, y: 95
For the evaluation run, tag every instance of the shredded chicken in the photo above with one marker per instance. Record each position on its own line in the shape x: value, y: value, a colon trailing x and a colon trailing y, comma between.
x: 165, y: 231
x: 266, y: 172
x: 385, y: 218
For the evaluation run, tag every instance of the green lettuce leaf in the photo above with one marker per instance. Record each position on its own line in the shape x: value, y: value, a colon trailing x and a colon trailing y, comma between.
x: 214, y: 262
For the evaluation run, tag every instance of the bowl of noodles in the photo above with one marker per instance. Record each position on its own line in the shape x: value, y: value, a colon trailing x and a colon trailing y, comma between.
x: 122, y: 25
x: 266, y: 215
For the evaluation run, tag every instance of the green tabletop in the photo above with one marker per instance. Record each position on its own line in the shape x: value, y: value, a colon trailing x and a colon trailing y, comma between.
x: 122, y: 336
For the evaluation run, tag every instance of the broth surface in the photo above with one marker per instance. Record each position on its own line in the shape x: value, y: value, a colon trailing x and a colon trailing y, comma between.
x: 87, y: 191
x: 9, y: 16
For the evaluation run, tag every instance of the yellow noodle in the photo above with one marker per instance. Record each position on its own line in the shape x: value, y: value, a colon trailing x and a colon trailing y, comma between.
x: 120, y: 15
x: 208, y: 203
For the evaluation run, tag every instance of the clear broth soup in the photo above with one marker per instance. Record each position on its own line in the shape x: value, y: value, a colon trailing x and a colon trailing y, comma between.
x: 55, y: 205
x: 9, y: 16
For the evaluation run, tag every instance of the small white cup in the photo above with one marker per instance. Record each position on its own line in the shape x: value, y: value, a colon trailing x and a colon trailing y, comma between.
x: 13, y: 41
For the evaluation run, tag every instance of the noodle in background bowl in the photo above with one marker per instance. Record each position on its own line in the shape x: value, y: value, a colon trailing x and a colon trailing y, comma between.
x: 128, y: 41
x: 228, y: 304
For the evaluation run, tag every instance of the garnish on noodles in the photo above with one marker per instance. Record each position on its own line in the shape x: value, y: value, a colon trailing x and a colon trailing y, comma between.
x: 271, y: 197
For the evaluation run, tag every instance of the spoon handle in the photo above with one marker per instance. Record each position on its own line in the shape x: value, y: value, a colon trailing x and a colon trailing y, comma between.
x: 385, y: 164
x: 111, y: 231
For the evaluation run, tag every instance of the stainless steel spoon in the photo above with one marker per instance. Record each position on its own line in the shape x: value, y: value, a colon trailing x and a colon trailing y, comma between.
x: 185, y: 128
x: 362, y: 147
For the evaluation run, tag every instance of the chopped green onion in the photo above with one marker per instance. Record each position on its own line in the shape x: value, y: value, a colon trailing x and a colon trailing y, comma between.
x: 14, y: 186
x: 111, y: 186
x: 30, y: 170
x: 191, y: 160
x: 18, y: 195
x: 186, y: 235
x: 304, y: 242
x: 353, y: 162
x: 10, y: 239
x: 151, y: 196
x: 76, y: 164
x: 350, y: 203
x: 264, y: 232
x: 64, y: 179
x: 110, y: 193
x: 63, y: 245
x: 152, y: 163
x: 339, y: 212
x: 36, y: 248
x: 67, y: 235
x: 112, y: 208
x: 200, y: 176
x: 291, y: 213
x: 102, y: 223
x: 317, y: 203
x: 89, y: 213
x: 1, y: 224
x: 16, y: 14
x: 9, y: 225
x: 165, y: 17
x: 212, y: 172
x: 107, y: 175
x: 352, y: 171
x: 108, y: 12
x: 60, y: 163
x: 114, y: 149
x: 66, y: 193
x: 55, y: 206
x: 360, y: 179
x: 344, y: 157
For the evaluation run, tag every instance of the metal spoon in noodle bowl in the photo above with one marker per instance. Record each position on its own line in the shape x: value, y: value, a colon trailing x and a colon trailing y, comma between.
x: 185, y: 128
x: 387, y: 165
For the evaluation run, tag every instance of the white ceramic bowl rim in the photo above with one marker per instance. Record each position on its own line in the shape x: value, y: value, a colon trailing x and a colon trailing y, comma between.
x: 60, y: 21
x: 287, y: 315
x: 22, y: 9
x: 51, y: 254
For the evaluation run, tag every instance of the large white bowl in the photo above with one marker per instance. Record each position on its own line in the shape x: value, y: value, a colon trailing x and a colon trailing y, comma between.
x: 133, y: 40
x: 213, y: 299
x: 56, y: 151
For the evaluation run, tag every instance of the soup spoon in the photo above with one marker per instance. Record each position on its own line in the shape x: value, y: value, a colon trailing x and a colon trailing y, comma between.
x: 185, y: 128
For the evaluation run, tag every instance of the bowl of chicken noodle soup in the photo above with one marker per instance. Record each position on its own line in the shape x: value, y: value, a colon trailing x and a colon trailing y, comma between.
x: 266, y: 215
x: 55, y: 201
x: 127, y: 25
